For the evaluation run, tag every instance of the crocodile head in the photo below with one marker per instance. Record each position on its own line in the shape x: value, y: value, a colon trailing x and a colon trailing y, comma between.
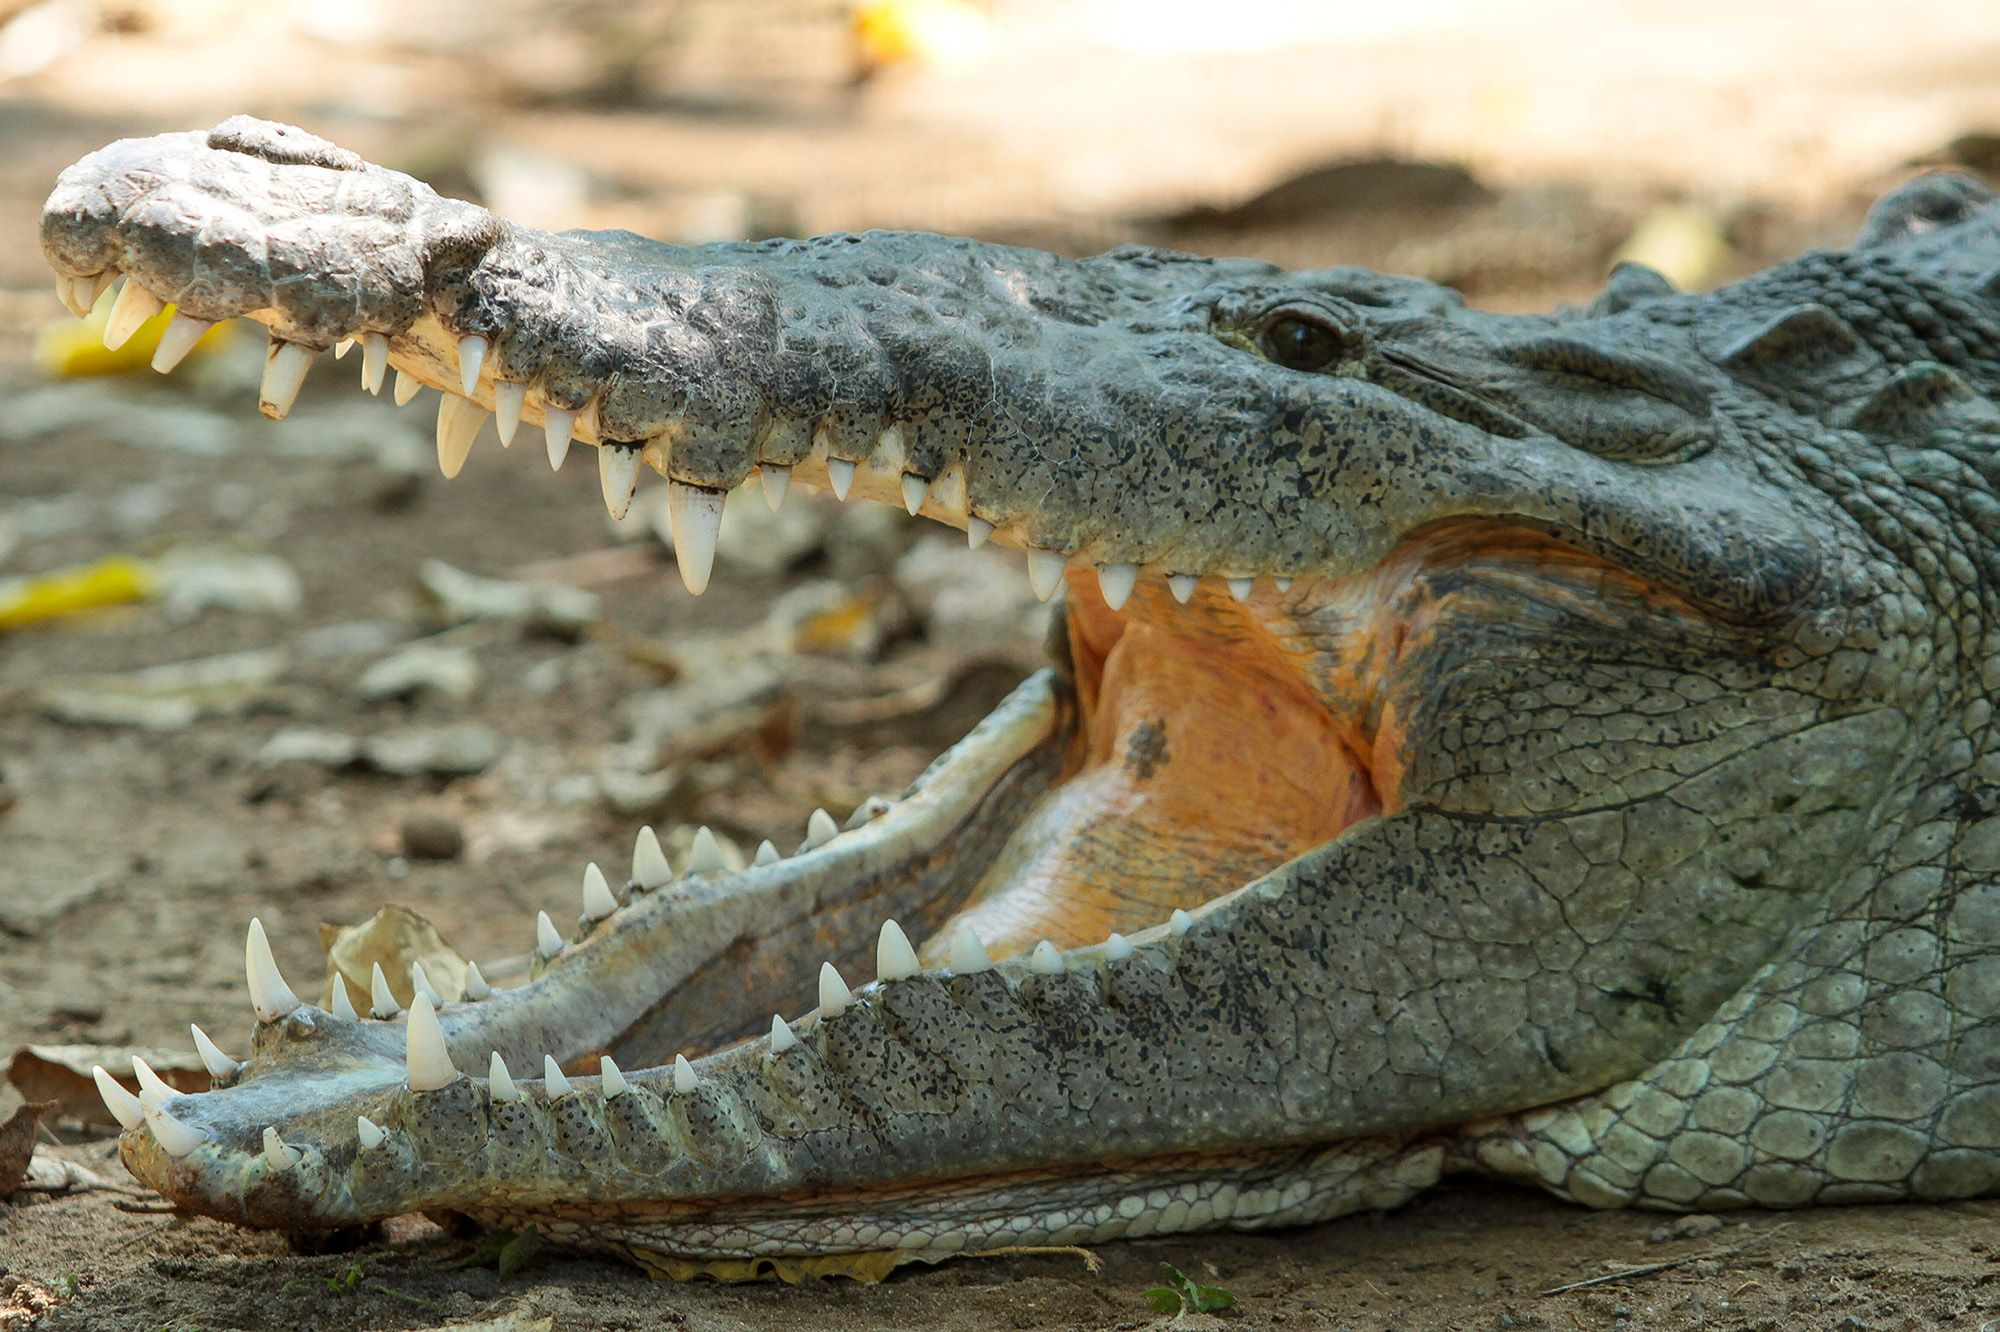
x: 1450, y: 714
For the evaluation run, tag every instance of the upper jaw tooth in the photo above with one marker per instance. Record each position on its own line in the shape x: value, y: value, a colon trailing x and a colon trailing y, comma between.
x: 840, y: 476
x: 285, y: 366
x: 374, y: 362
x: 1045, y: 571
x: 695, y: 513
x: 508, y: 398
x: 134, y: 306
x: 618, y: 475
x: 471, y: 357
x: 178, y: 339
x: 122, y: 1104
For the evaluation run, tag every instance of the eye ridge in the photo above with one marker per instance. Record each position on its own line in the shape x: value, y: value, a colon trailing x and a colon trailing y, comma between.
x: 1299, y: 342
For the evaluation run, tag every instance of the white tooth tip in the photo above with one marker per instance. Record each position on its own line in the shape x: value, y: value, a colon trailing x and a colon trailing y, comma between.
x: 66, y: 293
x: 134, y: 306
x: 834, y: 996
x: 597, y: 899
x: 820, y: 829
x: 218, y: 1064
x: 1045, y: 960
x: 706, y: 855
x: 420, y: 983
x: 499, y: 1082
x: 914, y: 489
x: 149, y: 1081
x: 476, y: 987
x: 895, y: 959
x: 548, y: 942
x: 1179, y: 922
x: 618, y: 477
x: 840, y: 475
x: 276, y: 1154
x: 968, y: 954
x: 269, y: 994
x: 775, y: 481
x: 343, y: 1007
x: 508, y: 398
x: 1115, y: 582
x: 1045, y: 572
x: 1182, y: 586
x: 381, y: 999
x: 782, y: 1038
x: 976, y: 532
x: 429, y: 1062
x: 341, y: 348
x: 368, y: 1133
x: 374, y: 362
x: 175, y: 1138
x: 177, y: 340
x: 554, y: 1081
x: 558, y: 425
x: 1282, y: 584
x: 685, y: 1078
x: 285, y: 367
x: 650, y: 869
x: 458, y: 425
x: 123, y: 1105
x: 695, y: 514
x: 767, y: 854
x: 611, y: 1078
x: 1239, y: 588
x: 407, y: 387
x: 1117, y: 947
x: 471, y: 357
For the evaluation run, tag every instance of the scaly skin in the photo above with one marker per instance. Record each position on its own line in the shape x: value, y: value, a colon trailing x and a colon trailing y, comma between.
x: 1596, y: 784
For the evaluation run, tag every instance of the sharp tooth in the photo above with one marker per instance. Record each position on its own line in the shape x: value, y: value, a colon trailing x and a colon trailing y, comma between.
x: 894, y: 958
x: 430, y: 1065
x: 374, y: 362
x: 149, y: 1081
x: 1117, y: 947
x: 1045, y: 960
x: 123, y: 1105
x: 968, y: 954
x: 368, y: 1133
x: 597, y: 899
x: 705, y: 857
x: 66, y: 293
x: 476, y: 987
x: 1282, y: 584
x: 407, y: 387
x: 820, y: 829
x: 499, y: 1082
x: 381, y: 1000
x: 1115, y: 583
x: 976, y: 532
x: 178, y: 339
x: 618, y: 474
x: 285, y: 367
x: 685, y: 1079
x: 218, y: 1064
x: 558, y: 424
x: 775, y: 481
x: 547, y: 942
x: 507, y: 399
x: 1045, y: 571
x: 767, y: 854
x: 781, y: 1036
x: 175, y: 1138
x: 1239, y: 588
x: 840, y: 475
x: 914, y: 489
x: 553, y: 1080
x: 1179, y: 922
x: 695, y: 513
x: 611, y: 1078
x: 276, y: 1154
x: 341, y: 348
x: 98, y: 286
x: 1182, y: 586
x: 343, y: 1007
x: 134, y: 306
x: 420, y: 983
x: 650, y: 869
x: 834, y: 996
x: 458, y: 425
x: 471, y: 356
x: 269, y: 994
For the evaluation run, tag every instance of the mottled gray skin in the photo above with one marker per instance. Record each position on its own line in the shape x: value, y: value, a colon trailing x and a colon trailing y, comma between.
x: 1689, y: 895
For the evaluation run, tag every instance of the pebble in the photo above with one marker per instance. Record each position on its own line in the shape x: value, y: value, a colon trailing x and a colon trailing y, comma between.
x: 430, y: 834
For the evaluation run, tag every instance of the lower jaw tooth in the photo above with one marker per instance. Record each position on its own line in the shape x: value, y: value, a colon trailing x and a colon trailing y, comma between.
x: 458, y: 425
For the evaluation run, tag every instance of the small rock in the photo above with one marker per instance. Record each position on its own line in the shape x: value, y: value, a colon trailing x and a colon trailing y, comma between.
x: 432, y: 835
x: 442, y: 751
x: 195, y: 581
x: 550, y: 607
x: 450, y: 671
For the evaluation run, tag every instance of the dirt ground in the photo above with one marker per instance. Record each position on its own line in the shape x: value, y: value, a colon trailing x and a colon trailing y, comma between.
x: 145, y: 817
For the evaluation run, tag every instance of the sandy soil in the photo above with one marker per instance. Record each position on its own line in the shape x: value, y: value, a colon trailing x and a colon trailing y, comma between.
x: 130, y: 857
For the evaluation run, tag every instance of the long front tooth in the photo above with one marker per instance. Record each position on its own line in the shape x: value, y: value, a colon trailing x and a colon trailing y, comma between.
x: 458, y: 425
x: 914, y: 489
x: 269, y: 994
x: 840, y: 475
x: 507, y: 399
x: 134, y: 306
x: 66, y: 292
x: 1115, y: 583
x: 285, y: 366
x: 1045, y: 960
x: 611, y: 1078
x: 597, y: 899
x: 149, y: 1081
x: 618, y: 474
x: 558, y: 425
x: 968, y: 954
x: 820, y: 829
x: 976, y: 532
x: 767, y: 854
x: 276, y: 1154
x: 175, y: 1138
x: 178, y: 339
x: 834, y: 996
x: 782, y: 1038
x: 548, y: 942
x: 894, y: 958
x: 1239, y: 588
x: 476, y: 987
x: 374, y: 362
x: 471, y: 356
x: 685, y: 1078
x: 499, y: 1082
x: 775, y: 480
x: 705, y: 857
x: 429, y: 1061
x: 420, y: 983
x: 1182, y: 586
x: 1045, y: 572
x: 650, y: 869
x: 218, y: 1064
x: 368, y: 1133
x: 343, y: 1007
x: 407, y: 387
x: 553, y: 1079
x: 381, y: 1000
x: 695, y: 514
x: 123, y: 1105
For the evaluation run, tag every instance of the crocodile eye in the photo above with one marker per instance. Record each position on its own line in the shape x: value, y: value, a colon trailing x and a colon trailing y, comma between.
x: 1298, y: 343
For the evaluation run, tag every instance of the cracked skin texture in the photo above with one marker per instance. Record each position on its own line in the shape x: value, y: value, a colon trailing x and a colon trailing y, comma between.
x: 1595, y: 783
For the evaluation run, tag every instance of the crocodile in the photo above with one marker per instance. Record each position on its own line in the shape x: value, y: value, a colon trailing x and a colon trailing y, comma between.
x: 1552, y: 747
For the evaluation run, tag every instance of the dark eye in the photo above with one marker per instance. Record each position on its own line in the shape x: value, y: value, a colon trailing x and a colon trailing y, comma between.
x: 1298, y: 343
